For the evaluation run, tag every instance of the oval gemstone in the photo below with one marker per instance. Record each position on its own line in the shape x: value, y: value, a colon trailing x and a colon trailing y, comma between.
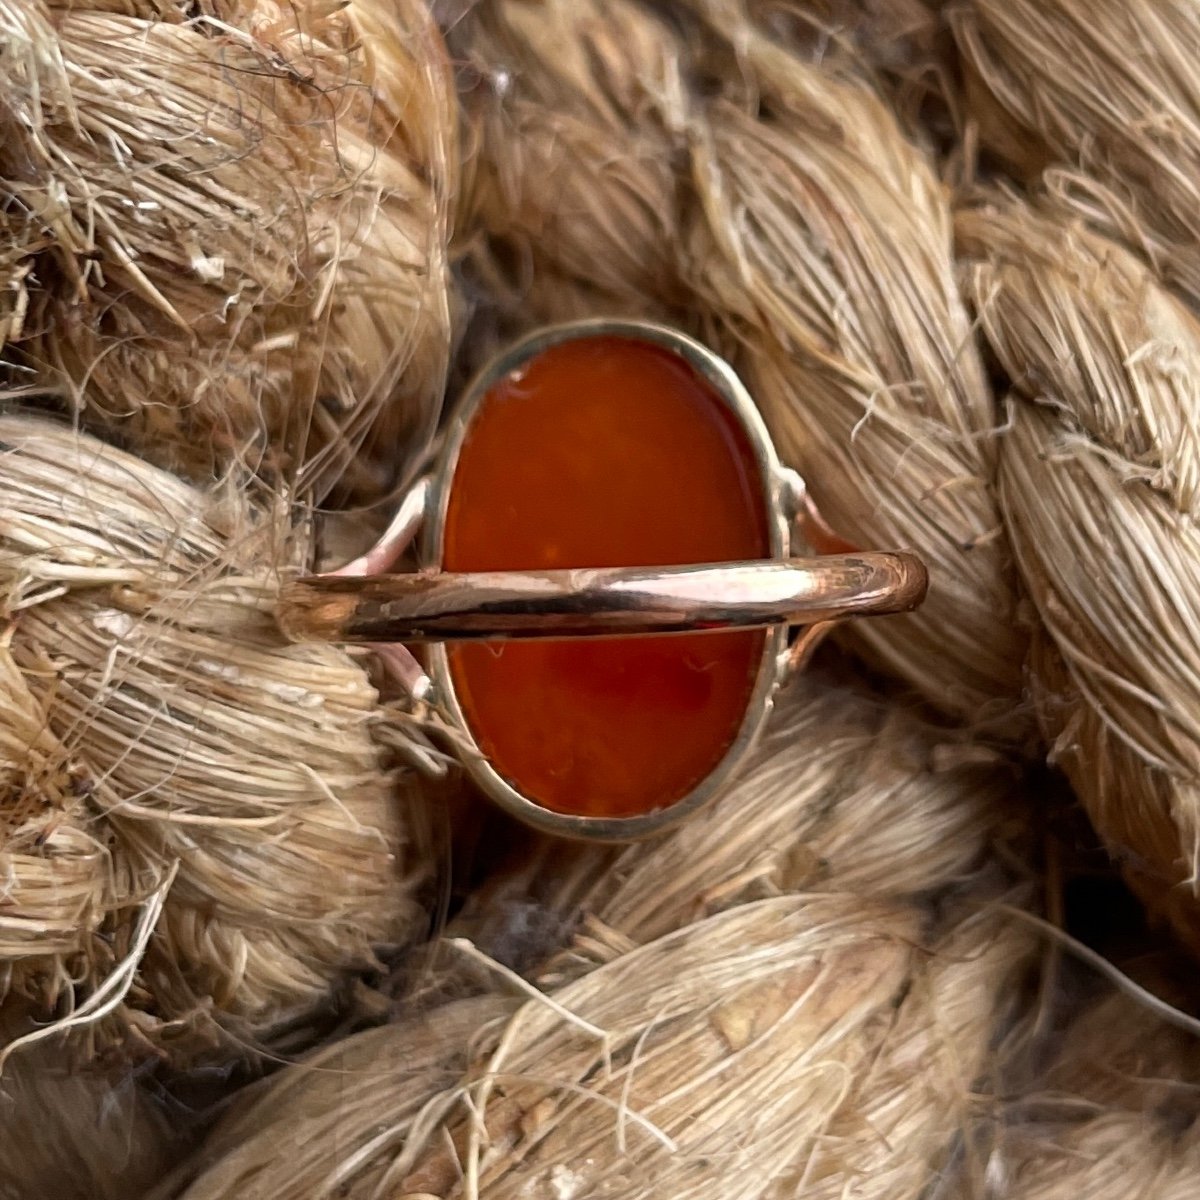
x: 604, y: 452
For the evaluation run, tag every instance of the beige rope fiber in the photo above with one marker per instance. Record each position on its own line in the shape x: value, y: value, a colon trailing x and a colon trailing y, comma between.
x: 845, y: 793
x: 79, y: 1135
x: 1103, y: 96
x: 54, y: 867
x: 190, y: 733
x: 1102, y: 103
x: 734, y: 1052
x: 952, y: 249
x: 1108, y: 1111
x: 232, y: 251
x: 340, y: 1109
x: 825, y: 247
x: 575, y: 120
x: 1099, y: 499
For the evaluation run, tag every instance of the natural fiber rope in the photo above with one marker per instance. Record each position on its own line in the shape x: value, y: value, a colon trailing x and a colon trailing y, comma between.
x: 142, y: 633
x: 825, y: 248
x: 778, y: 208
x: 1099, y: 495
x: 845, y: 793
x: 575, y: 120
x: 230, y: 254
x: 1106, y: 98
x: 77, y: 1134
x: 1105, y: 1107
x: 732, y: 1054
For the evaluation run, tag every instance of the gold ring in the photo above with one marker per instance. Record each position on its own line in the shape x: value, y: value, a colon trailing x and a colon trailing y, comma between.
x: 607, y: 584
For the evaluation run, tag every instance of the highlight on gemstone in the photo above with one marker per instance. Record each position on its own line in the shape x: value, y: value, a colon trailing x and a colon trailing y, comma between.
x: 605, y: 451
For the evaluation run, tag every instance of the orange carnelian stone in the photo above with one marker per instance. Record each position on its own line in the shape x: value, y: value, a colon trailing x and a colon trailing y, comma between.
x: 605, y: 451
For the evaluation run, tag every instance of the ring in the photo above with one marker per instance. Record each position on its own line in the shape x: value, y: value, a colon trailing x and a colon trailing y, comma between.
x: 606, y: 588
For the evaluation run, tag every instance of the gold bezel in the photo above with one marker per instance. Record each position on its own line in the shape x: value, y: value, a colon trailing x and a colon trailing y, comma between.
x: 782, y: 490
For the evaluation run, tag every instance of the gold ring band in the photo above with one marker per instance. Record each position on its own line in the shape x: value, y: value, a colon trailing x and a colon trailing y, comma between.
x: 547, y: 731
x: 600, y: 602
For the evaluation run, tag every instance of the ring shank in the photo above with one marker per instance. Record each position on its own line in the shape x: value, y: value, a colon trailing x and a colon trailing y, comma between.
x: 599, y: 602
